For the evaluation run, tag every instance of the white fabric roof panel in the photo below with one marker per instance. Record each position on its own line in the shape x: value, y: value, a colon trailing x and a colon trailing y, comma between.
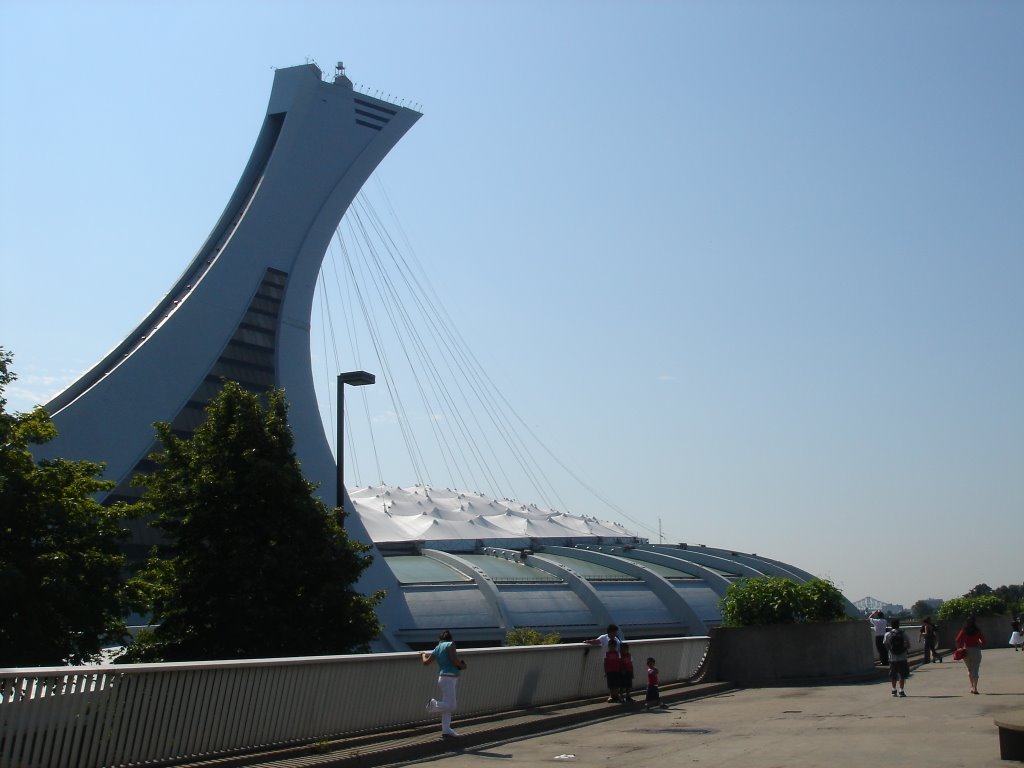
x: 424, y: 513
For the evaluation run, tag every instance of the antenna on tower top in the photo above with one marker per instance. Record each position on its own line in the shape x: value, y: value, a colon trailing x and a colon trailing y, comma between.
x: 339, y: 74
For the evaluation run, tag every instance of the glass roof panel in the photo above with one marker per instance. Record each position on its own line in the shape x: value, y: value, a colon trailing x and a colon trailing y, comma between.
x: 419, y: 569
x: 502, y: 570
x: 587, y: 569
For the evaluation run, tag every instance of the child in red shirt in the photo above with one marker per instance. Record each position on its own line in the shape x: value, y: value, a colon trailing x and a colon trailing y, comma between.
x: 653, y: 700
x: 626, y: 665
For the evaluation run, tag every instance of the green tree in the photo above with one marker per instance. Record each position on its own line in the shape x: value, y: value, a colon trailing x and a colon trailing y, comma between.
x: 61, y: 580
x: 254, y: 564
x: 962, y: 607
x: 922, y: 608
x: 531, y: 636
x: 979, y: 590
x: 777, y: 600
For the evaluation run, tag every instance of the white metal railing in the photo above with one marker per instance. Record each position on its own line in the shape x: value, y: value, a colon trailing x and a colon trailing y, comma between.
x: 119, y: 715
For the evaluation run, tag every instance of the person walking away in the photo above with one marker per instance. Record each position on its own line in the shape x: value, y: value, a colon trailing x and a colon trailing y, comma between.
x: 970, y: 638
x: 898, y: 647
x: 930, y: 637
x: 627, y: 672
x: 653, y: 698
x: 450, y: 666
x: 879, y: 626
x: 1016, y: 636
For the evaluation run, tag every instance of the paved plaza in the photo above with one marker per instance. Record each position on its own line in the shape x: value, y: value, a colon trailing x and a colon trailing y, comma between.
x: 853, y: 725
x: 939, y: 723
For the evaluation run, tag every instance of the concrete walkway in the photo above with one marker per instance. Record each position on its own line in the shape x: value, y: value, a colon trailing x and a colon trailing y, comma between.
x: 858, y: 725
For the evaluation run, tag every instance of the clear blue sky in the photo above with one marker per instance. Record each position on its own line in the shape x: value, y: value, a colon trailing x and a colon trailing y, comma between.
x: 752, y: 269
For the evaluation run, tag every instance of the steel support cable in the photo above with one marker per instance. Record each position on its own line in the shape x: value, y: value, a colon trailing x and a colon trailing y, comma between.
x: 508, y: 432
x: 435, y: 379
x: 347, y: 426
x: 445, y: 319
x: 428, y: 312
x: 347, y: 305
x: 473, y: 367
x: 576, y: 477
x: 388, y: 306
x: 386, y: 291
x: 381, y: 354
x: 381, y: 349
x: 396, y: 400
x: 483, y: 385
x: 439, y: 386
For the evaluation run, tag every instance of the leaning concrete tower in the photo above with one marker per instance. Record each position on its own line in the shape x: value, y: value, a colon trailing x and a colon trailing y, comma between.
x: 241, y: 310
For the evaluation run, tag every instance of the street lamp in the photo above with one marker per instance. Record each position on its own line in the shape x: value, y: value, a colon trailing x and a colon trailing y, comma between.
x: 356, y: 379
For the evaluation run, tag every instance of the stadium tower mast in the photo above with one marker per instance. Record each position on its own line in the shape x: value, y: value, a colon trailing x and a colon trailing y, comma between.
x: 241, y: 310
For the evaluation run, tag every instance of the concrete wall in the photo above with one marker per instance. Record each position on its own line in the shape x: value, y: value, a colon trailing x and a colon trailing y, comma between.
x: 995, y: 628
x: 785, y: 654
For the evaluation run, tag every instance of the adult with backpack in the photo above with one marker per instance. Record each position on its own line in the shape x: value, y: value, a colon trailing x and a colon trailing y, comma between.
x: 899, y: 668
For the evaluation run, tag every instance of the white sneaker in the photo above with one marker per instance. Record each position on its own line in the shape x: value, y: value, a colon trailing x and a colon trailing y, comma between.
x: 449, y: 734
x: 432, y: 705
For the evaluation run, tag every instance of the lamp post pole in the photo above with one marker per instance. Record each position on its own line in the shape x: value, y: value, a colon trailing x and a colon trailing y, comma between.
x: 355, y: 379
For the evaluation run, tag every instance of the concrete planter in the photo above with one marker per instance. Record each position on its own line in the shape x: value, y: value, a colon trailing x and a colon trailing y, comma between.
x: 793, y: 654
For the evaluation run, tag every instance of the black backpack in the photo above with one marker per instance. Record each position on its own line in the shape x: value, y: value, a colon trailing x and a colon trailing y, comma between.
x: 897, y: 642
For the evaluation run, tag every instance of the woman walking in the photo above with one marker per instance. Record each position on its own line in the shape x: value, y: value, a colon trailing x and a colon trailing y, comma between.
x: 971, y: 639
x: 450, y: 665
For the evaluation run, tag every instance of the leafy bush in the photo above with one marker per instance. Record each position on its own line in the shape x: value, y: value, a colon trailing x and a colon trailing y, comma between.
x: 822, y: 601
x: 777, y: 600
x: 962, y: 607
x: 530, y: 636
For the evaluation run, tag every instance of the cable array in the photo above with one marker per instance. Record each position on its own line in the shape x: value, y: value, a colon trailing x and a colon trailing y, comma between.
x: 376, y: 295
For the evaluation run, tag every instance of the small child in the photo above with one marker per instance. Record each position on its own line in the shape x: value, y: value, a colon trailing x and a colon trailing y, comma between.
x: 627, y: 673
x: 653, y: 699
x: 613, y: 670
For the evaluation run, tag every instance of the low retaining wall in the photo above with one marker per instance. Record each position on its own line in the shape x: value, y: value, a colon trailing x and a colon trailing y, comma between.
x: 995, y: 628
x: 792, y: 654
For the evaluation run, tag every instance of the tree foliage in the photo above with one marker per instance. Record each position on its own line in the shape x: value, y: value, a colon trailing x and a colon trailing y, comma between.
x: 61, y: 564
x: 922, y: 608
x: 777, y: 600
x: 254, y: 565
x: 962, y: 607
x: 530, y: 636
